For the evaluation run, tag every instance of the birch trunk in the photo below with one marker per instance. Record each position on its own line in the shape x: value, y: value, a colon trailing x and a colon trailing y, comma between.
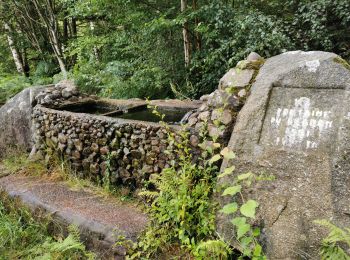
x: 15, y: 54
x: 187, y: 44
x: 49, y: 18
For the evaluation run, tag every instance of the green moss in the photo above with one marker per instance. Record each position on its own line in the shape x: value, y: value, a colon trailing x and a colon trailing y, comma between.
x: 342, y: 62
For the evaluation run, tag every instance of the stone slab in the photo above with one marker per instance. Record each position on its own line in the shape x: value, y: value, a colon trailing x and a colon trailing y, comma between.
x: 295, y: 125
x: 236, y: 78
x: 100, y: 220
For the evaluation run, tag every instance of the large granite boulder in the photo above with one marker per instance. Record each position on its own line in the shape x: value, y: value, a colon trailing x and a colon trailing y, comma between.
x: 295, y: 125
x: 16, y: 122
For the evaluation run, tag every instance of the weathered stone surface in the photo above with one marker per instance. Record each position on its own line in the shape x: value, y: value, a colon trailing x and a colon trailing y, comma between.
x: 253, y: 56
x: 100, y: 221
x: 236, y: 78
x: 15, y: 120
x: 296, y: 126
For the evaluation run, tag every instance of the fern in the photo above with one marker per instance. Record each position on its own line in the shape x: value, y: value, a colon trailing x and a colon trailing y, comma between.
x: 27, y: 238
x: 74, y: 231
x: 213, y: 249
x: 148, y: 195
x: 330, y: 249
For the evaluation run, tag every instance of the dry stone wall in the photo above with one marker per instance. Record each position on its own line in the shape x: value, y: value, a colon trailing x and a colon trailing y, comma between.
x: 131, y: 151
x: 219, y: 109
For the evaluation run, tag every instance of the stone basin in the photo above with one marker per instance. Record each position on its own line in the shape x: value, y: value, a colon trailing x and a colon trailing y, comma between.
x: 173, y: 110
x: 121, y: 137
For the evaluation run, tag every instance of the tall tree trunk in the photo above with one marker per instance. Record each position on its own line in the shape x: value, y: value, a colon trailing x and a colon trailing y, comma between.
x: 15, y: 54
x: 25, y: 63
x: 185, y: 33
x: 198, y: 40
x: 65, y: 29
x: 92, y: 29
x: 74, y: 27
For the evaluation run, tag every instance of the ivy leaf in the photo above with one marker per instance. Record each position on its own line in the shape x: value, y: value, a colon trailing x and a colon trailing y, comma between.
x: 248, y: 208
x: 227, y: 171
x: 238, y: 221
x: 215, y: 158
x: 242, y: 230
x: 257, y: 250
x: 244, y: 176
x: 256, y: 232
x: 232, y: 190
x: 246, y: 241
x: 229, y: 208
x: 228, y: 154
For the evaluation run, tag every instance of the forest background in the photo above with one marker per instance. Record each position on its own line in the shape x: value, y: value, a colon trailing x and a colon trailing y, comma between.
x: 156, y: 48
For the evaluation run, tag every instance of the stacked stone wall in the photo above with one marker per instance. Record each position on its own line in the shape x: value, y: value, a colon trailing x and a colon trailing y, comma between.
x: 130, y: 150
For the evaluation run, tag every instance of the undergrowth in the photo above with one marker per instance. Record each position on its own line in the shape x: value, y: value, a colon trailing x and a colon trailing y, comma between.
x: 333, y: 245
x: 24, y: 236
x: 182, y: 210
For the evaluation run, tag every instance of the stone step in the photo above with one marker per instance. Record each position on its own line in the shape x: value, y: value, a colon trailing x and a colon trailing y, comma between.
x: 100, y: 220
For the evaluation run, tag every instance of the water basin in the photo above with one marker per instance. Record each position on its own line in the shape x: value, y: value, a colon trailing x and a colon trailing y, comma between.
x: 172, y: 115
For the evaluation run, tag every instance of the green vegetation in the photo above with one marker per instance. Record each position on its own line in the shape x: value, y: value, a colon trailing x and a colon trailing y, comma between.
x: 24, y: 236
x: 59, y: 169
x: 333, y: 244
x: 156, y: 48
x: 182, y: 212
x: 182, y: 208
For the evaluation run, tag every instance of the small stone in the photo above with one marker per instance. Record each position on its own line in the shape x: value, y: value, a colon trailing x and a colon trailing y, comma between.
x: 147, y: 169
x: 236, y: 78
x: 95, y: 148
x: 149, y: 159
x: 61, y: 147
x: 194, y: 140
x: 216, y: 114
x: 115, y: 143
x: 104, y: 150
x: 233, y: 103
x: 214, y: 131
x: 154, y: 142
x: 192, y: 121
x: 62, y: 138
x: 103, y: 167
x: 253, y: 56
x: 78, y: 144
x: 226, y: 117
x: 126, y: 151
x: 156, y: 149
x: 67, y: 92
x: 204, y: 98
x: 136, y: 154
x: 204, y: 116
x: 76, y: 155
x: 242, y: 93
x: 94, y: 168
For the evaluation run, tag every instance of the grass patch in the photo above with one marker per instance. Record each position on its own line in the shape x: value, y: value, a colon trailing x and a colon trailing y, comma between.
x: 24, y: 236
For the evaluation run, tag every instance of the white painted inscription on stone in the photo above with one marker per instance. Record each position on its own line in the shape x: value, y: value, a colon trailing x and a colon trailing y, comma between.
x: 301, y: 125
